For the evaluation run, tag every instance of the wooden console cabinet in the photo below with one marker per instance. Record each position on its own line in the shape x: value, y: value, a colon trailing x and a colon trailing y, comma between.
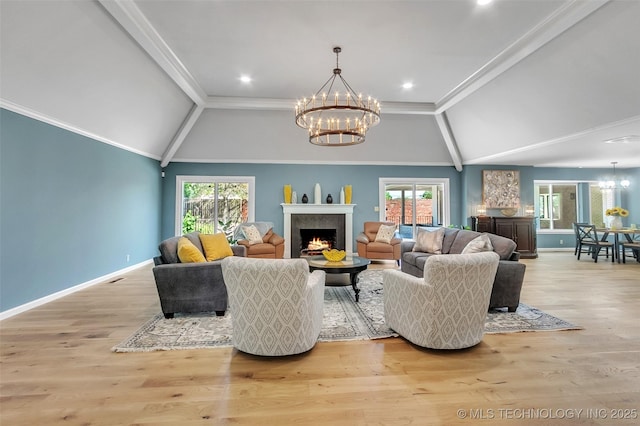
x: 520, y: 229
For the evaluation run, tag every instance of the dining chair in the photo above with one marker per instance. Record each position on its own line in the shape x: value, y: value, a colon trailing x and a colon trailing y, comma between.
x: 588, y: 236
x: 577, y: 234
x: 630, y: 242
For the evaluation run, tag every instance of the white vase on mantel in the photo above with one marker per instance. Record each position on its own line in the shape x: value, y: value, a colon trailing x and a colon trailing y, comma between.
x: 317, y: 194
x: 342, y: 195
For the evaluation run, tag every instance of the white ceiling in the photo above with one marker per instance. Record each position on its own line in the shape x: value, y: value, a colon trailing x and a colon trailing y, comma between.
x: 524, y: 82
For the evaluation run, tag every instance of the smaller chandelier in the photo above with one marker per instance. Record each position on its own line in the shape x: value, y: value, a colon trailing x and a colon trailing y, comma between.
x: 335, y: 118
x: 614, y: 183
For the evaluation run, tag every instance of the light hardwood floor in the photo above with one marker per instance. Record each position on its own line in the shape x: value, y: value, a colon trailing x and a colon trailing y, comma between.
x: 57, y: 367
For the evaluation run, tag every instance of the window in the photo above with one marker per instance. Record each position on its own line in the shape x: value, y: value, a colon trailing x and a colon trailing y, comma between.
x: 557, y: 205
x: 413, y: 202
x: 600, y: 201
x: 211, y: 204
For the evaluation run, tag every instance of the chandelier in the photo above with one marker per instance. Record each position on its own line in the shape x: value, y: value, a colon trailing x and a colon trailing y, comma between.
x: 614, y: 183
x: 335, y: 118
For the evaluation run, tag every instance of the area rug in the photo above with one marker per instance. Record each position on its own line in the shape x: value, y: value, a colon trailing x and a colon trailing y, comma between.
x: 344, y: 319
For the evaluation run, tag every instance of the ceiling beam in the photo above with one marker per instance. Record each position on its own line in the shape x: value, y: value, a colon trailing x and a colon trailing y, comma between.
x: 181, y: 135
x: 555, y: 24
x: 449, y: 140
x: 138, y: 26
x: 275, y: 104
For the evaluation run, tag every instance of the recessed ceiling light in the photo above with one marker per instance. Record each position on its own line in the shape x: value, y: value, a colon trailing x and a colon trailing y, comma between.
x: 483, y: 2
x: 407, y: 85
x: 624, y: 139
x: 245, y: 79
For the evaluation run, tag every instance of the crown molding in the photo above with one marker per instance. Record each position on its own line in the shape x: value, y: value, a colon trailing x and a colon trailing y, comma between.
x: 584, y: 133
x: 27, y: 112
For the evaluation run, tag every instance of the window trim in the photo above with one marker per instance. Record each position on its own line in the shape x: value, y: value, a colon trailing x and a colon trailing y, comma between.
x: 558, y: 182
x: 446, y: 195
x: 182, y: 179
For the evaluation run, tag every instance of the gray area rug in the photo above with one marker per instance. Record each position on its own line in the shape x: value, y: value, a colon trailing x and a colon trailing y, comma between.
x: 343, y: 320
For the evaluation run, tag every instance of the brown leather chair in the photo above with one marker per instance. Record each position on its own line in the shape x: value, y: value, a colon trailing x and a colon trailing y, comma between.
x: 369, y: 248
x: 271, y: 247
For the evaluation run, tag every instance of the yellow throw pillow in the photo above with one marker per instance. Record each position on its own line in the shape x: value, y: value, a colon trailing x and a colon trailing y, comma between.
x: 215, y: 246
x: 189, y: 253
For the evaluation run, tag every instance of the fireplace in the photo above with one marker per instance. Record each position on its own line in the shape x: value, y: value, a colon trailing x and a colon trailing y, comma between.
x: 313, y: 241
x: 327, y: 228
x: 330, y: 223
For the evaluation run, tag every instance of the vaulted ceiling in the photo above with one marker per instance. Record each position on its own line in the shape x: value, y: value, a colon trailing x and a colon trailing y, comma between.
x: 527, y: 82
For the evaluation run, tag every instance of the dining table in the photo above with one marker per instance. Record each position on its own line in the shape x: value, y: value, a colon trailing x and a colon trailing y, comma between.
x: 627, y: 233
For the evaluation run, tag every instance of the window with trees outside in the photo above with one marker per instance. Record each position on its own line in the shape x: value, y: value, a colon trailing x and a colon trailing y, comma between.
x: 414, y: 202
x: 211, y: 204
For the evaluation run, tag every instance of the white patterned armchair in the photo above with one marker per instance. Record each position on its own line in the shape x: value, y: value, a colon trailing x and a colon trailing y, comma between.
x: 447, y: 308
x: 276, y: 305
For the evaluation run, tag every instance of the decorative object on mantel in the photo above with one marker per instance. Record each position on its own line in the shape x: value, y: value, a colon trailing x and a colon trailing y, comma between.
x: 501, y: 189
x: 615, y: 216
x: 287, y: 194
x: 329, y: 199
x: 317, y: 194
x: 347, y: 194
x: 305, y: 199
x: 611, y: 183
x: 337, y: 120
x: 294, y: 197
x: 342, y: 195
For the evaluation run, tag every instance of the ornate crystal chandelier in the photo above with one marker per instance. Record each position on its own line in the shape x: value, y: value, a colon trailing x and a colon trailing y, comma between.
x: 614, y: 183
x: 335, y: 118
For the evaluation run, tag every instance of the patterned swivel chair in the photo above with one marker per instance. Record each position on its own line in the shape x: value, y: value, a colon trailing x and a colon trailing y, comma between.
x: 276, y: 305
x: 447, y: 308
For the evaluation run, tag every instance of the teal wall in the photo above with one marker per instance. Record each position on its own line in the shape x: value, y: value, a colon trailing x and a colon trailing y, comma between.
x: 72, y: 208
x: 270, y: 179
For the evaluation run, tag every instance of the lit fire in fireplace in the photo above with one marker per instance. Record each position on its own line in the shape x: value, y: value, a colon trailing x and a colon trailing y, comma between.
x: 318, y: 244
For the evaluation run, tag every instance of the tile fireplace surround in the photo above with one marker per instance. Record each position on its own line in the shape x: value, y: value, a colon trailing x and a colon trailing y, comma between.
x: 318, y: 209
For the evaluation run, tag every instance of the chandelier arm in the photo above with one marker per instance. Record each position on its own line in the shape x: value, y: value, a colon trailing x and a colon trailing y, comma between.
x: 331, y: 79
x: 353, y: 92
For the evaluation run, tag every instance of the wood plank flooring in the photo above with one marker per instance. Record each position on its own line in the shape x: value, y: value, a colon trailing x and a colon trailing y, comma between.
x: 57, y: 367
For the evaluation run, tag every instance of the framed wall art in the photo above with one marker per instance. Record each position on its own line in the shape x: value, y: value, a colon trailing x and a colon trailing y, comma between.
x: 501, y: 189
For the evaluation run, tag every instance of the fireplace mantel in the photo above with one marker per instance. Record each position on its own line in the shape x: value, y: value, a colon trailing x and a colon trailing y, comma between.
x: 345, y: 209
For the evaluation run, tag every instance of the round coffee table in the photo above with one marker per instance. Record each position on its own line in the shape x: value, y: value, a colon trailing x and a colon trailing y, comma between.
x: 351, y: 265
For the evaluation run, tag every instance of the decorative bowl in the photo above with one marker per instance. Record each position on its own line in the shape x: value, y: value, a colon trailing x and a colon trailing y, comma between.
x: 509, y: 212
x: 334, y: 255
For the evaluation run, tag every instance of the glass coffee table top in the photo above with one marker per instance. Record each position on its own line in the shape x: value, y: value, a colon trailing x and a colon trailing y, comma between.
x: 348, y: 262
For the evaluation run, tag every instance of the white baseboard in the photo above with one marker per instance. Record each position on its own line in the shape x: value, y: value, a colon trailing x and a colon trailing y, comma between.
x: 39, y: 302
x: 557, y: 249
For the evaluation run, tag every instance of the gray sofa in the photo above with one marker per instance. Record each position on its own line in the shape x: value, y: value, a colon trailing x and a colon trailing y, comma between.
x: 508, y: 282
x: 190, y: 287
